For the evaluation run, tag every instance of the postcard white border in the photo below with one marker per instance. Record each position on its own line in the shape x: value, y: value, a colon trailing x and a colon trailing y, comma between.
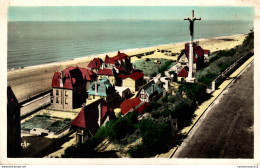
x: 123, y: 161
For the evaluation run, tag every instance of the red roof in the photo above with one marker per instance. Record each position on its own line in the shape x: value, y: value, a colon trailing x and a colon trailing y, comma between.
x: 95, y: 63
x: 206, y: 52
x: 89, y: 115
x: 119, y: 57
x: 135, y: 76
x: 120, y: 69
x: 72, y: 76
x: 56, y: 80
x: 129, y: 104
x: 184, y: 72
x: 105, y: 72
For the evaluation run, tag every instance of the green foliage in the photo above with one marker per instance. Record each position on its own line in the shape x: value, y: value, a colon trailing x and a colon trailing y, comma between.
x: 183, y: 112
x: 124, y: 126
x: 152, y: 106
x: 155, y: 135
x: 46, y: 116
x: 221, y: 60
x: 165, y: 67
x: 56, y: 124
x: 194, y: 91
x: 153, y: 74
x: 208, y: 78
x: 67, y: 119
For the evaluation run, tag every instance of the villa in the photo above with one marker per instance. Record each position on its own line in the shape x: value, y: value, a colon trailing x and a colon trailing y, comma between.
x: 69, y: 87
x: 102, y: 89
x: 90, y: 119
x: 150, y: 92
x: 133, y: 81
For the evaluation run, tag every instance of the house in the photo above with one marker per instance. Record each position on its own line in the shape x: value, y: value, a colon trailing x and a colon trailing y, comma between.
x: 102, y: 89
x: 69, y: 87
x: 95, y: 64
x: 183, y: 74
x: 90, y: 119
x: 124, y: 92
x: 122, y: 61
x: 13, y: 125
x: 200, y: 57
x: 135, y: 104
x: 133, y: 81
x: 109, y: 73
x: 150, y: 92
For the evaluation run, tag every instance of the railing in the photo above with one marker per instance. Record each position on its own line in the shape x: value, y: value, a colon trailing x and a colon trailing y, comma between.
x: 229, y: 70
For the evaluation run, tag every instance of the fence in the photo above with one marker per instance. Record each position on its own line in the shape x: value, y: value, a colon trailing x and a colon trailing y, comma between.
x: 230, y: 70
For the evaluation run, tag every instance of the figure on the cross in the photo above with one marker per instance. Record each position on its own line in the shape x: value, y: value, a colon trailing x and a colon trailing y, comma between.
x: 191, y: 27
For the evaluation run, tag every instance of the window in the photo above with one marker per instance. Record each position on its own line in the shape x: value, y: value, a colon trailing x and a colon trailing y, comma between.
x: 66, y: 93
x: 142, y: 96
x: 66, y: 101
x: 52, y: 100
x: 57, y: 100
x: 57, y: 92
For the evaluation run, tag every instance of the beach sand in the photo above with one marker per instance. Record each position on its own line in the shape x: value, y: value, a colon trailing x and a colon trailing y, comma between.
x: 31, y: 81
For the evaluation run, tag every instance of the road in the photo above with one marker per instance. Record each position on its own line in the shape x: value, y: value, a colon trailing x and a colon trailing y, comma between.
x: 226, y: 131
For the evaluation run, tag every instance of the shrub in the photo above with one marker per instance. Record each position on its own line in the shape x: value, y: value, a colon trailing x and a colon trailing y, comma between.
x: 194, y: 91
x: 124, y: 126
x: 155, y: 135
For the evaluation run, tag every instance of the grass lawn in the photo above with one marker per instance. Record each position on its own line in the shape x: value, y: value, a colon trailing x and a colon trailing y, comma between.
x: 151, y: 66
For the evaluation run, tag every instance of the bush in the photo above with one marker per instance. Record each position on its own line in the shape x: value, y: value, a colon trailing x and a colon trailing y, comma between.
x: 184, y: 112
x: 124, y: 126
x: 165, y: 67
x: 194, y: 91
x: 155, y: 135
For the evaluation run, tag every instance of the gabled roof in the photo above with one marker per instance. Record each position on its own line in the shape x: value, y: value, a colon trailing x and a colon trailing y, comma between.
x: 184, y: 52
x: 135, y: 76
x: 95, y: 63
x: 184, y: 72
x: 134, y: 104
x: 105, y: 71
x: 89, y: 115
x: 71, y: 77
x: 119, y: 57
x: 148, y: 88
x: 102, y: 86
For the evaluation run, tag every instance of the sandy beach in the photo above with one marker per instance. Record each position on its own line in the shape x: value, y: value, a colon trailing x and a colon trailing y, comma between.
x: 31, y: 81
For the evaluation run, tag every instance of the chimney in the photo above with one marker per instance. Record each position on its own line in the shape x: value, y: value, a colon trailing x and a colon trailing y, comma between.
x: 99, y: 114
x: 61, y: 81
x: 96, y: 89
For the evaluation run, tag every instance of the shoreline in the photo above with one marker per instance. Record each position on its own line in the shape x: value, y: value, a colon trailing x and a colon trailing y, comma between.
x: 30, y: 81
x: 113, y: 53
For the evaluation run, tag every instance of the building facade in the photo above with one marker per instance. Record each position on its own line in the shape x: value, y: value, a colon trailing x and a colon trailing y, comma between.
x: 69, y: 87
x: 150, y: 92
x: 134, y: 81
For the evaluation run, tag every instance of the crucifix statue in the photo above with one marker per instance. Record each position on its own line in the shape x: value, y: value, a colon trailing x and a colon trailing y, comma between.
x: 191, y: 20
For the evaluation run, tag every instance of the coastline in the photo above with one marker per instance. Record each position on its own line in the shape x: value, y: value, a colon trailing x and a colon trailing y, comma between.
x: 32, y: 80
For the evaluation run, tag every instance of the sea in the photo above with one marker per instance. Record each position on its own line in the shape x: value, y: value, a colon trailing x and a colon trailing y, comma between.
x: 34, y: 43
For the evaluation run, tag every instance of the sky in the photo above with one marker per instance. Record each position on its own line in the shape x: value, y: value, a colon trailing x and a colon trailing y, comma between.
x: 96, y: 13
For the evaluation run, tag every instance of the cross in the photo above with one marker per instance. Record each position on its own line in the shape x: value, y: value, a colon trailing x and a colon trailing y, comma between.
x: 192, y: 20
x: 190, y: 74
